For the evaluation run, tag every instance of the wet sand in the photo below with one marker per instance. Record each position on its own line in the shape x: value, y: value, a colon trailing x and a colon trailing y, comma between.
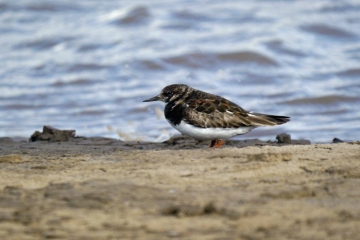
x: 107, y: 189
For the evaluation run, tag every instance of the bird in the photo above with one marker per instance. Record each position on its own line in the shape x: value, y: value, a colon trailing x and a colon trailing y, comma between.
x: 205, y: 116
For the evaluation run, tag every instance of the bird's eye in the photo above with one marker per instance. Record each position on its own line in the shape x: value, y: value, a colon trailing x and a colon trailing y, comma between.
x: 169, y: 93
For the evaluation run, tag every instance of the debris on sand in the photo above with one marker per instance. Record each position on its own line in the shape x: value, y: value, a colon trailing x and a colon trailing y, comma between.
x: 52, y: 135
x: 284, y: 138
x: 337, y: 140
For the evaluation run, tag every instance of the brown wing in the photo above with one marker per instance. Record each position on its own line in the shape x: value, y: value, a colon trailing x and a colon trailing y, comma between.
x: 215, y: 112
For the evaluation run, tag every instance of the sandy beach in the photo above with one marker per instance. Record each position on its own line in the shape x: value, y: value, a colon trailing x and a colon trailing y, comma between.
x: 99, y: 188
x: 97, y: 66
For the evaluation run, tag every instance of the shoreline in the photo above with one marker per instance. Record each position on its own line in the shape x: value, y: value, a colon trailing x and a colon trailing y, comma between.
x: 100, y: 188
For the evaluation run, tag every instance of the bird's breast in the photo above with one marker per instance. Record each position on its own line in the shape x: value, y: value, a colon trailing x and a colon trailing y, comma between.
x: 173, y: 114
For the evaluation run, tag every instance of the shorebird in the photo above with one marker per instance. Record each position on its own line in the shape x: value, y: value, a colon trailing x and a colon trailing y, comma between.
x: 206, y: 116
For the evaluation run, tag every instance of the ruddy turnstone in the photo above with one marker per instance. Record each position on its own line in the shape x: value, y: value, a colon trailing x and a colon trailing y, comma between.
x: 205, y: 116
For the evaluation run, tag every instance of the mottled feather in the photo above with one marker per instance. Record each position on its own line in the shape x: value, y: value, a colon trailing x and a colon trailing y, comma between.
x: 216, y: 112
x: 206, y: 111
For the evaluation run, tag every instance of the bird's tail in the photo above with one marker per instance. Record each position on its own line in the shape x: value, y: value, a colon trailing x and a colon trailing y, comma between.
x: 260, y: 119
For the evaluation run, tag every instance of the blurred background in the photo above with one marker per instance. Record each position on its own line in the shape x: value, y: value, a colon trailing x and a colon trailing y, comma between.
x: 87, y: 65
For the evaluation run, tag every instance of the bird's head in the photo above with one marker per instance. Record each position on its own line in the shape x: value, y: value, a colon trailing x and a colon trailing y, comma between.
x: 171, y: 93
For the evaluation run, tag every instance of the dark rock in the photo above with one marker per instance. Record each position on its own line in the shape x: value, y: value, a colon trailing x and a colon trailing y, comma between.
x: 52, y: 135
x: 337, y: 140
x: 283, y: 138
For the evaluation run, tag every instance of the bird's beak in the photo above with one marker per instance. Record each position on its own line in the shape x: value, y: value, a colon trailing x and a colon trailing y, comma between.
x: 156, y: 98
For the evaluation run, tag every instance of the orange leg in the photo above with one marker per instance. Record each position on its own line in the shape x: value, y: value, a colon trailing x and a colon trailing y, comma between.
x: 212, y: 143
x: 218, y: 143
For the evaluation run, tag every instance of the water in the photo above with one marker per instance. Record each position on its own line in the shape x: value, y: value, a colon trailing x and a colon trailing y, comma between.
x: 87, y: 65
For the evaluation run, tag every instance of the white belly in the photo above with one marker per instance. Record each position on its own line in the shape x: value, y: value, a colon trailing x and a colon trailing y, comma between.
x: 209, y: 133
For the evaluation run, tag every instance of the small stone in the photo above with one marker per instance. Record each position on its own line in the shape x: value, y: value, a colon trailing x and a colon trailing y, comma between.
x: 337, y: 140
x: 284, y: 138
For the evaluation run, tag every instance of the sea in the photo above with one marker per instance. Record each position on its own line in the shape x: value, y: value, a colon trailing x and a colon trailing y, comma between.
x: 87, y: 65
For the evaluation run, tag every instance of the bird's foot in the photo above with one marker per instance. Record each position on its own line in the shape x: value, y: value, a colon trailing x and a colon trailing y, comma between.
x: 216, y: 143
